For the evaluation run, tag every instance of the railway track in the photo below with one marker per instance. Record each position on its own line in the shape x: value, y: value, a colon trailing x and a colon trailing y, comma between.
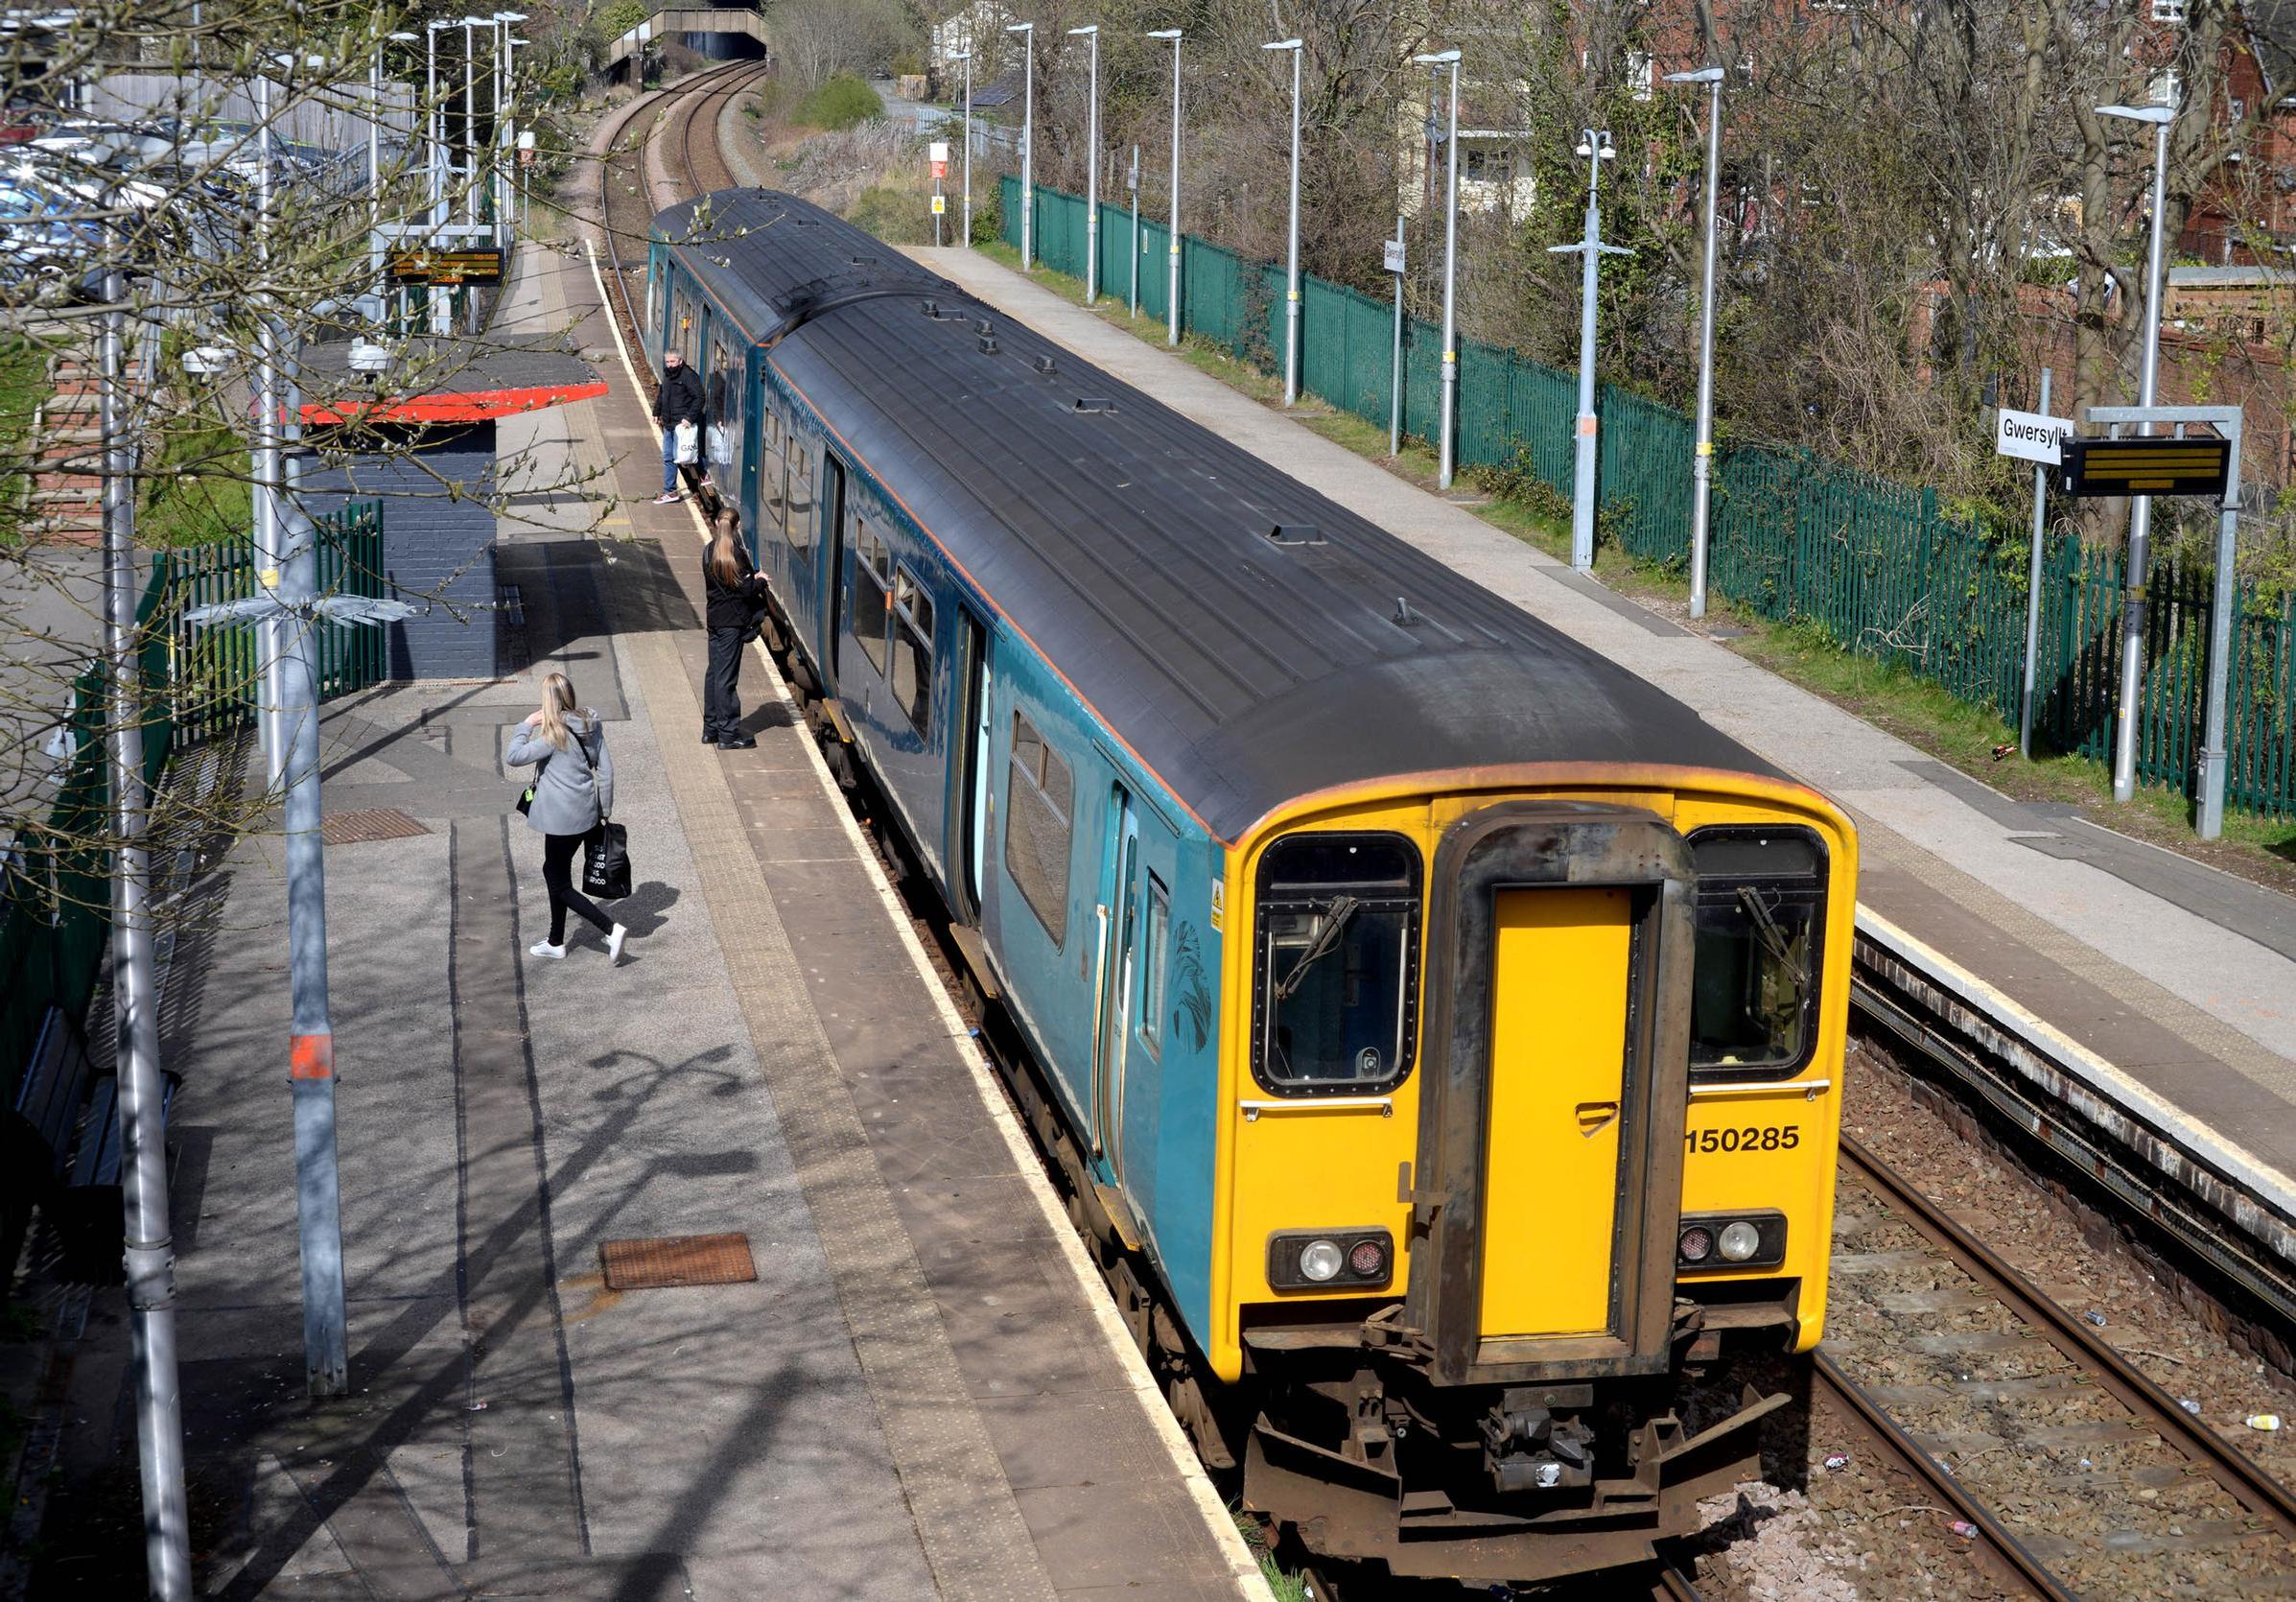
x: 684, y: 132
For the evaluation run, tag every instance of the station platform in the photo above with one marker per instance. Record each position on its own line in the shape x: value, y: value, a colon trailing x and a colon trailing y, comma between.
x: 923, y: 1391
x: 2172, y: 975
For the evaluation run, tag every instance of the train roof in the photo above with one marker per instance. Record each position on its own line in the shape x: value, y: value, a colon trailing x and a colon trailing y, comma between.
x: 1250, y: 639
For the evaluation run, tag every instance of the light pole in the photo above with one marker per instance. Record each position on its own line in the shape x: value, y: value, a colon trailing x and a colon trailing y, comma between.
x: 1172, y: 280
x: 965, y: 57
x: 1091, y: 32
x: 1701, y: 466
x: 150, y: 1250
x: 1028, y: 146
x: 1446, y: 448
x: 2135, y: 574
x: 435, y: 119
x: 1131, y: 182
x: 1594, y: 143
x: 1291, y: 267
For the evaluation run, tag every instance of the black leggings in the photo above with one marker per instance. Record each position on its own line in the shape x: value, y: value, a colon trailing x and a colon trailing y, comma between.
x: 558, y: 872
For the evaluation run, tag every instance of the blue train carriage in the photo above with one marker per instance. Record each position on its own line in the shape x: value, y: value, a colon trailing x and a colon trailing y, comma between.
x: 1441, y: 1029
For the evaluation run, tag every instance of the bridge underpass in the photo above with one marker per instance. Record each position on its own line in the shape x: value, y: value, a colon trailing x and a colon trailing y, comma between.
x: 718, y: 33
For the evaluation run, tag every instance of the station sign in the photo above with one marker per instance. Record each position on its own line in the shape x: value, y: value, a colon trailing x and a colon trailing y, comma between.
x: 2146, y: 466
x: 2033, y: 435
x: 1393, y: 249
x: 445, y: 267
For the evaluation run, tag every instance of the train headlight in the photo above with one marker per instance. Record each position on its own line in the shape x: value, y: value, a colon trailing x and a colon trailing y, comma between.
x: 1330, y: 1259
x: 1732, y: 1240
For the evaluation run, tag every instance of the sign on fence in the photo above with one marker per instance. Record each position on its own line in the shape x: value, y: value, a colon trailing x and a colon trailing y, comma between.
x: 2163, y: 465
x: 2033, y: 435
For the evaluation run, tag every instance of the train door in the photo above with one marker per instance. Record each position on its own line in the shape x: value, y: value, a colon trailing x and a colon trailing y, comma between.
x: 832, y: 562
x: 970, y: 728
x: 1119, y: 933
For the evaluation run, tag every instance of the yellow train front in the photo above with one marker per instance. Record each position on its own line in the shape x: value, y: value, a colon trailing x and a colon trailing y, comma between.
x: 1533, y: 1106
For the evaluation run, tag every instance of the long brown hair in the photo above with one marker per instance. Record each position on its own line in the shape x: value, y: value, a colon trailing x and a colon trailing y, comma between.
x: 727, y: 559
x: 557, y: 701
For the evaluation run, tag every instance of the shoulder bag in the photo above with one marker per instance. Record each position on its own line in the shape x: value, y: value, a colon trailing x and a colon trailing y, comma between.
x: 606, y: 853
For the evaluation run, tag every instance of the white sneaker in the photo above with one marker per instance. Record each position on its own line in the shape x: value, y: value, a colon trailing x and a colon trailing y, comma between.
x: 614, y: 942
x: 543, y: 948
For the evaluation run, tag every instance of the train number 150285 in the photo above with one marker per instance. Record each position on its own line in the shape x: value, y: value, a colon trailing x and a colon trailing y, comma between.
x: 1752, y: 1138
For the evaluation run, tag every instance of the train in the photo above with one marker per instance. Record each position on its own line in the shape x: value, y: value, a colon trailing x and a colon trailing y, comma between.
x: 1439, y: 1030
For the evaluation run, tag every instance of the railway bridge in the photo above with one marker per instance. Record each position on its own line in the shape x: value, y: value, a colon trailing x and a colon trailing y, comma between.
x: 711, y: 31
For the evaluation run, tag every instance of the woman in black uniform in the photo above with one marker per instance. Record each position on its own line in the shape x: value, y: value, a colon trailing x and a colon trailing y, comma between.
x: 736, y: 597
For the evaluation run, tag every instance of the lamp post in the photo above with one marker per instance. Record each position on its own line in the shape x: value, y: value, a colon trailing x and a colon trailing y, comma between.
x: 1291, y: 266
x: 1028, y: 146
x: 2138, y: 571
x: 1701, y: 466
x: 435, y: 120
x: 1091, y: 32
x: 965, y: 56
x: 1595, y: 144
x: 1447, y: 451
x: 1172, y: 280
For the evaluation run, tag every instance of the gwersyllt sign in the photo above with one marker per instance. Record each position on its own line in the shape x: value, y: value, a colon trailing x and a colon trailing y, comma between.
x: 2033, y: 435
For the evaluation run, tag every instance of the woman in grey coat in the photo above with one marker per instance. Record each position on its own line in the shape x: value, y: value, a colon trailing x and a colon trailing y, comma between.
x: 574, y: 790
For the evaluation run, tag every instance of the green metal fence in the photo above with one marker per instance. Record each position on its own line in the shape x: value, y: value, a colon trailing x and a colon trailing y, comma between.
x: 56, y: 883
x: 1876, y: 567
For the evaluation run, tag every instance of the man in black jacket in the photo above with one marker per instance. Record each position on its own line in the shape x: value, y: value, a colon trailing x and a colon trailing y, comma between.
x: 679, y: 400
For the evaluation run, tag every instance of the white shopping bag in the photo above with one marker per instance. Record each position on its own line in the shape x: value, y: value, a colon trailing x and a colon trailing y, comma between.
x: 688, y: 444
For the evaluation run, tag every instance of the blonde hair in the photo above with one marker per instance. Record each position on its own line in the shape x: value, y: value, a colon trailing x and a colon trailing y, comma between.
x: 557, y: 701
x: 726, y: 555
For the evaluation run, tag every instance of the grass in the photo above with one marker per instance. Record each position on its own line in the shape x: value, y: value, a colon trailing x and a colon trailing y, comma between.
x: 196, y: 489
x: 1886, y: 695
x: 23, y: 386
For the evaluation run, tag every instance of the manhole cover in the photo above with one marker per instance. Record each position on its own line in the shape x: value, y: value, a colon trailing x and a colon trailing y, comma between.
x: 369, y: 823
x: 676, y: 1260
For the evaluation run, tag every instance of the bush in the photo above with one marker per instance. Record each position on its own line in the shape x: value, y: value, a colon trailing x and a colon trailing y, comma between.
x: 841, y: 102
x: 896, y: 216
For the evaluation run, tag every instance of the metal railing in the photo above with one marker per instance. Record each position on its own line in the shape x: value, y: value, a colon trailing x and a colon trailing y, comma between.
x: 1876, y: 568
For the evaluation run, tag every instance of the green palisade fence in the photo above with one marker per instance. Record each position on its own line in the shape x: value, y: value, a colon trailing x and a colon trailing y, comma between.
x: 55, y: 889
x: 1876, y: 567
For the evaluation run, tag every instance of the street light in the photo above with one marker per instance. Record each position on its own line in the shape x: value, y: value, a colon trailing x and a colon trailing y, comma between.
x: 965, y: 57
x: 435, y: 119
x: 1172, y: 281
x: 2140, y: 512
x: 1594, y: 143
x: 1701, y: 466
x: 1291, y: 269
x: 1446, y: 460
x: 470, y: 112
x: 1028, y: 146
x: 1091, y: 30
x: 504, y: 22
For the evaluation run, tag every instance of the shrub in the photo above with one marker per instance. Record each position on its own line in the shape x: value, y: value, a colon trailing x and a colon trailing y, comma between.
x: 896, y: 216
x: 841, y: 102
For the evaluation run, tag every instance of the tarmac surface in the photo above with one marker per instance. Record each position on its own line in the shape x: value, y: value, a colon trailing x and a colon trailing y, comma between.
x: 923, y: 1392
x: 2182, y: 976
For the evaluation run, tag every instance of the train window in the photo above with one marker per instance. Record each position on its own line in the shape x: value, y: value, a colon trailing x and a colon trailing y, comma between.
x: 1037, y: 827
x: 801, y: 492
x: 773, y: 504
x: 1151, y: 964
x: 724, y: 419
x: 1761, y: 925
x: 912, y: 673
x: 1336, y: 986
x: 871, y: 607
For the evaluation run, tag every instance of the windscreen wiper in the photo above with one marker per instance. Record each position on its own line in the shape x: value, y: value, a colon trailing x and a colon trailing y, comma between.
x: 1335, y: 919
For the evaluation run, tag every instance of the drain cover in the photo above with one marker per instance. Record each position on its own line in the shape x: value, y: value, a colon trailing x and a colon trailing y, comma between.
x: 370, y: 823
x: 676, y: 1260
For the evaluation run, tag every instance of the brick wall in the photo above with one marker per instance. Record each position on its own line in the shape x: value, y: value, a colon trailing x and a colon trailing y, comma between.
x: 437, y: 550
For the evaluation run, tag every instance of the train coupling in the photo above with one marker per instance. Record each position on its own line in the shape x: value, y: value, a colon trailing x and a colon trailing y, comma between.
x: 1527, y: 1448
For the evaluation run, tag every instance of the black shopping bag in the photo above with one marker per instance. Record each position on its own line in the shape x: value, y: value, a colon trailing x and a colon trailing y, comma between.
x: 606, y: 863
